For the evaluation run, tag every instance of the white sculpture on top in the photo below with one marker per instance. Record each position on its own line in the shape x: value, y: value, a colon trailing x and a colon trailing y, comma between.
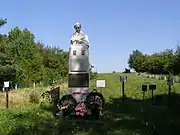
x: 79, y: 37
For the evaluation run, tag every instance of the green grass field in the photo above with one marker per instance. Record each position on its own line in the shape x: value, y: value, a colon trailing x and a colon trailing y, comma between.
x: 134, y: 116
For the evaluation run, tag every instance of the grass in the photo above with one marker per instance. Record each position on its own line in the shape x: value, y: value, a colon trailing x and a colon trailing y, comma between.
x: 24, y: 97
x: 134, y: 116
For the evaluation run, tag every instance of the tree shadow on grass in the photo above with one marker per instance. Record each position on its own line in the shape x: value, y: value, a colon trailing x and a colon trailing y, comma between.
x: 149, y: 117
x: 140, y: 117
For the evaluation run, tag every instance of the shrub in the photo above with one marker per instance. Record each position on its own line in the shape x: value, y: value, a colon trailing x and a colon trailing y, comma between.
x: 34, y: 97
x: 127, y: 71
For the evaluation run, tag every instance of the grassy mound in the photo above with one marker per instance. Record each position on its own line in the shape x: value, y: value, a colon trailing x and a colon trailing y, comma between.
x: 134, y: 116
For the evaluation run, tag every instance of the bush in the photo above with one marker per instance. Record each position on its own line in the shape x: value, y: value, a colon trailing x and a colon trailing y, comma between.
x: 93, y: 75
x: 45, y: 100
x: 127, y: 71
x: 34, y: 97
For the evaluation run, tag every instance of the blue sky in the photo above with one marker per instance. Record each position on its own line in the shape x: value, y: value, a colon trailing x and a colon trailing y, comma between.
x: 114, y: 28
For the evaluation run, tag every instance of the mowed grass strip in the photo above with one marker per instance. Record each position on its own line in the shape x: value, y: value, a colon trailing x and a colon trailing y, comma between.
x: 133, y: 86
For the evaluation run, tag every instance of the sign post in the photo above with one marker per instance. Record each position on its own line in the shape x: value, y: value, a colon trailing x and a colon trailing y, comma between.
x: 55, y: 94
x: 169, y: 83
x: 122, y: 80
x: 6, y: 86
x: 144, y: 89
x: 152, y: 87
x: 101, y: 84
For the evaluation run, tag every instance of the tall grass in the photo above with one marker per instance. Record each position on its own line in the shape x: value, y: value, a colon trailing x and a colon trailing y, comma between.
x: 27, y: 96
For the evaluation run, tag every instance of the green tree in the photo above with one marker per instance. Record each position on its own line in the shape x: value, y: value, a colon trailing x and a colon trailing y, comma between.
x: 175, y: 63
x: 7, y: 69
x: 157, y: 63
x: 55, y: 61
x: 26, y: 56
x: 135, y: 61
x: 24, y: 61
x: 3, y: 22
x: 93, y: 75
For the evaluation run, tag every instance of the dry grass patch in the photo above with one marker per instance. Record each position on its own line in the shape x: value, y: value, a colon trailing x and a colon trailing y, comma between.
x: 19, y: 98
x: 26, y: 97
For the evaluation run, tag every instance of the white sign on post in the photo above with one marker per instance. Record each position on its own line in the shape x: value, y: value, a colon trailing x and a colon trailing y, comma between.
x: 123, y: 78
x: 6, y: 84
x: 101, y: 83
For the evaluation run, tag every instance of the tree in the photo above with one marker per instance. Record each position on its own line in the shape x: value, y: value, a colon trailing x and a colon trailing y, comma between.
x: 93, y: 75
x: 26, y: 56
x: 175, y: 63
x: 24, y: 61
x: 135, y: 61
x: 157, y: 63
x: 7, y: 69
x: 55, y: 61
x: 3, y: 22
